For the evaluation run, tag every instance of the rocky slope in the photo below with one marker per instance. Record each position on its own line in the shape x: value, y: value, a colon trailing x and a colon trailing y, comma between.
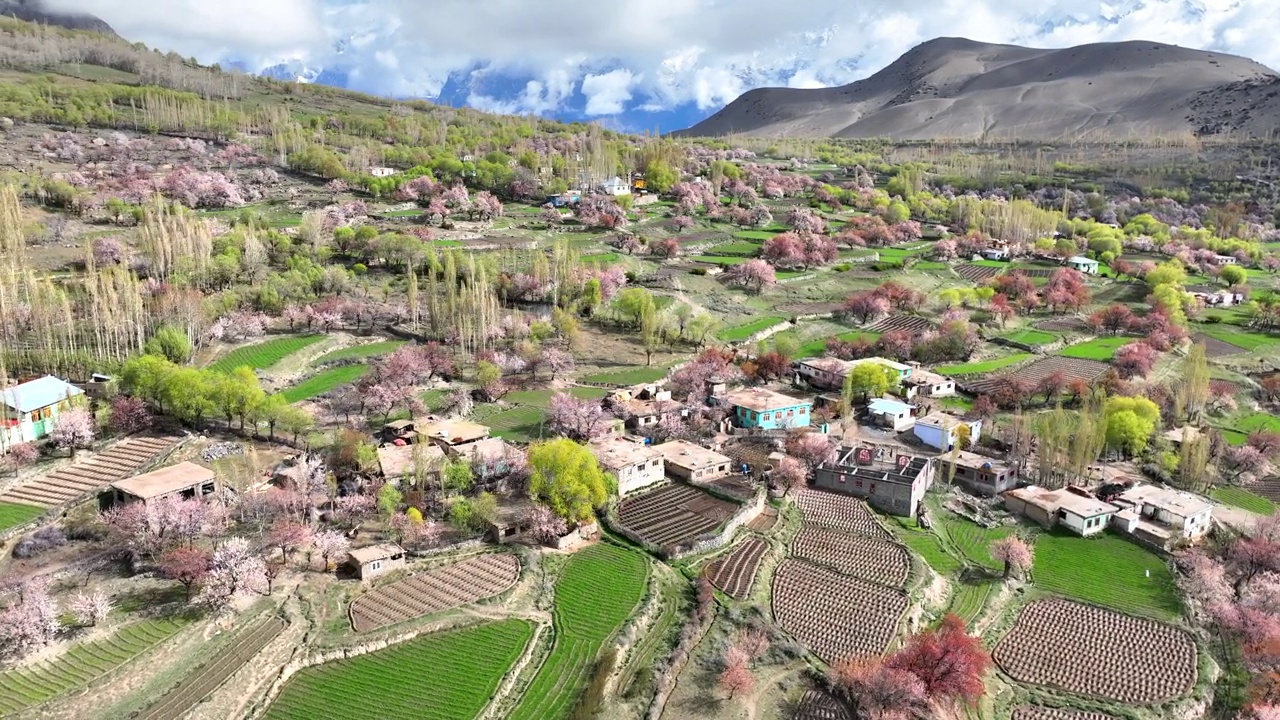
x: 961, y: 89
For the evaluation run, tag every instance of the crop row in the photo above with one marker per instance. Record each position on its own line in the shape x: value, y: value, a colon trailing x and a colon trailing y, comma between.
x: 839, y: 512
x: 736, y: 571
x: 264, y: 354
x: 835, y: 615
x: 442, y: 588
x: 1036, y: 712
x: 879, y: 561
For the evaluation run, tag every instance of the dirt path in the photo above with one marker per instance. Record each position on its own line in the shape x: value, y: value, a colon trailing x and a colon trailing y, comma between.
x: 752, y: 703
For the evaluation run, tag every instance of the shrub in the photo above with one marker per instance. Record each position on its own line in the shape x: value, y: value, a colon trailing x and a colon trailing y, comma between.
x: 843, y: 267
x: 698, y: 271
x: 38, y: 542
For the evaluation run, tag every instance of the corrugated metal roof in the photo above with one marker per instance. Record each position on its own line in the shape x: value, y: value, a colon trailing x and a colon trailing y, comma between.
x: 41, y: 392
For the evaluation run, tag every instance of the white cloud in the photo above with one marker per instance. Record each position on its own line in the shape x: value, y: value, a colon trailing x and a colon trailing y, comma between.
x: 661, y: 53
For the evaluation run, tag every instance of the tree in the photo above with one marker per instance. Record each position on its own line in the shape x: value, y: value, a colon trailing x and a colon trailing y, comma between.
x: 880, y: 691
x: 1233, y: 275
x: 1130, y: 421
x: 1013, y: 552
x: 652, y: 331
x: 736, y: 678
x: 90, y: 608
x: 331, y: 545
x: 866, y: 305
x: 170, y: 343
x: 73, y: 429
x: 870, y: 379
x: 752, y: 274
x: 29, y: 623
x: 789, y: 475
x: 811, y: 448
x: 1135, y: 360
x: 389, y: 499
x: 948, y: 661
x: 580, y: 419
x: 288, y: 535
x: 1240, y: 461
x: 187, y: 565
x: 22, y: 455
x: 234, y: 571
x: 545, y: 526
x: 1113, y: 319
x: 128, y: 414
x: 565, y: 477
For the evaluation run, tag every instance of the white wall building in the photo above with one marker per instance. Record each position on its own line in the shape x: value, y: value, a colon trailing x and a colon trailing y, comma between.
x: 634, y: 464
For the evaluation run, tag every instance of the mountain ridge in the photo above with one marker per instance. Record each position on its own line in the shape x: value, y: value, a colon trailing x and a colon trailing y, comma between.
x: 35, y: 11
x: 955, y: 88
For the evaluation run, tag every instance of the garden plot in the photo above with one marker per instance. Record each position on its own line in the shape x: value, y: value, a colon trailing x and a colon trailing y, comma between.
x: 1100, y: 653
x: 735, y: 572
x: 913, y: 324
x: 839, y: 512
x: 1214, y: 348
x: 764, y: 522
x: 879, y: 561
x: 1031, y: 375
x: 120, y: 461
x: 1035, y: 712
x: 1062, y: 324
x: 818, y: 705
x: 443, y: 588
x: 978, y: 273
x: 835, y: 615
x: 673, y: 515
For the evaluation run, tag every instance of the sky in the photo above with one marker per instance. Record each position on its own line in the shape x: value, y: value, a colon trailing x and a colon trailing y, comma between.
x: 614, y: 57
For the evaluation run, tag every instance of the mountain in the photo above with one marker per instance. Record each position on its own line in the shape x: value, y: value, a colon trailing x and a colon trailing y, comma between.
x: 952, y: 88
x: 36, y: 12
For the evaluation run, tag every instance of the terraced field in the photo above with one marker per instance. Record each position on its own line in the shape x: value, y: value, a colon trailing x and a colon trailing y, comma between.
x: 839, y: 512
x: 672, y: 516
x: 442, y: 676
x: 324, y: 381
x: 736, y: 571
x: 265, y: 354
x: 835, y: 615
x: 76, y: 480
x: 367, y: 350
x: 15, y: 514
x: 443, y: 588
x: 879, y: 561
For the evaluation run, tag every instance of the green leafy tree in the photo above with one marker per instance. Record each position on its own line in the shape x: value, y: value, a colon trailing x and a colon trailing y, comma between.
x: 870, y: 379
x: 170, y: 343
x: 1170, y: 272
x: 1130, y: 423
x: 660, y: 176
x: 632, y: 303
x: 458, y: 476
x: 389, y: 498
x: 1233, y: 275
x: 565, y: 477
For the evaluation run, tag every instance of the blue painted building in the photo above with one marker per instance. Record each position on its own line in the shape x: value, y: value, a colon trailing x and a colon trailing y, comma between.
x: 768, y: 410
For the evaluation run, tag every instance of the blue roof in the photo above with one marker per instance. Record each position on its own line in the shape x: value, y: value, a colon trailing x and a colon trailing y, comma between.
x: 38, y: 393
x: 885, y: 405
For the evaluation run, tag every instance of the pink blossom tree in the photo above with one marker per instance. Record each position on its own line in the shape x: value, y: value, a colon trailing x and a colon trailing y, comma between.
x: 811, y: 448
x: 1013, y: 552
x: 31, y: 622
x: 288, y: 535
x: 668, y: 248
x: 235, y: 571
x: 790, y: 474
x: 90, y: 608
x: 22, y: 455
x: 73, y: 429
x: 545, y: 526
x: 186, y: 565
x: 109, y: 251
x: 1135, y: 359
x: 866, y: 305
x: 1242, y: 461
x: 753, y: 274
x: 128, y: 414
x: 557, y: 361
x: 331, y: 545
x: 580, y: 419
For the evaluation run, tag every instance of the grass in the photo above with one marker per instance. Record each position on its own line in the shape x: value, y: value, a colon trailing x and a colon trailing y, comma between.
x: 1240, y: 338
x: 412, y: 212
x: 1106, y: 570
x: 632, y: 376
x: 718, y: 259
x: 81, y: 664
x: 744, y: 331
x: 521, y: 424
x: 990, y: 263
x: 358, y: 352
x: 443, y: 676
x: 1258, y: 421
x: 738, y: 248
x: 754, y: 235
x: 1241, y: 498
x: 1030, y: 337
x: 605, y: 258
x: 930, y: 266
x: 970, y: 539
x: 1103, y: 348
x: 263, y: 355
x: 542, y: 398
x: 324, y: 381
x: 970, y: 598
x: 597, y: 592
x: 928, y: 546
x: 14, y: 514
x: 985, y: 366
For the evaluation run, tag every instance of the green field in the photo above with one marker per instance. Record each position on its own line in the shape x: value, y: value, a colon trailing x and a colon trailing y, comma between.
x: 970, y: 598
x: 81, y: 664
x: 596, y: 593
x: 632, y: 376
x: 263, y: 355
x: 985, y: 366
x: 970, y: 539
x: 442, y: 676
x: 1103, y: 348
x: 1240, y: 338
x: 744, y: 331
x: 15, y: 514
x: 754, y: 235
x: 324, y: 381
x: 928, y: 546
x: 930, y: 266
x: 1107, y: 570
x: 738, y: 248
x: 1030, y: 337
x: 520, y: 424
x: 1257, y: 421
x: 1241, y: 498
x: 367, y: 350
x: 542, y: 398
x: 719, y: 259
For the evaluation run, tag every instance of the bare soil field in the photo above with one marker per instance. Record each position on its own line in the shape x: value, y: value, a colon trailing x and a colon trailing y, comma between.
x: 913, y: 324
x: 120, y: 461
x: 1100, y: 653
x: 879, y: 561
x: 442, y: 588
x: 839, y: 512
x: 835, y: 615
x: 1035, y: 712
x: 1062, y: 324
x: 1071, y: 369
x: 978, y: 273
x: 673, y: 515
x: 764, y: 522
x: 818, y: 705
x: 1214, y: 347
x: 735, y: 572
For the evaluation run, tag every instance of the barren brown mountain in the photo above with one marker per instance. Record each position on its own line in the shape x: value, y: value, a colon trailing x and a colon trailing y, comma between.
x: 961, y: 89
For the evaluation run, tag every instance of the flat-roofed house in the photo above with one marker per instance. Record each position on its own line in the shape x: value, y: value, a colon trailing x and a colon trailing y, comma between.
x: 413, y: 463
x: 1071, y: 507
x: 184, y: 480
x: 893, y: 414
x: 767, y: 410
x: 1079, y: 263
x: 29, y: 410
x: 941, y: 431
x: 980, y: 474
x: 829, y: 373
x: 1176, y: 514
x: 894, y: 487
x: 374, y: 560
x: 453, y: 432
x: 636, y: 465
x: 922, y: 383
x: 693, y: 463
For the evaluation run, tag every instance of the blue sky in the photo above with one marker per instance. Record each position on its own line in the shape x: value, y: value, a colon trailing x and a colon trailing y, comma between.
x: 667, y: 59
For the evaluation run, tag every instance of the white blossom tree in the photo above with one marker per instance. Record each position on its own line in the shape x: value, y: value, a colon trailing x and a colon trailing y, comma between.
x: 236, y: 571
x: 73, y: 429
x: 331, y: 545
x: 90, y: 608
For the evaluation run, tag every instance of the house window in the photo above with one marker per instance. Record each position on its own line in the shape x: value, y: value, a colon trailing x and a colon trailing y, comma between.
x: 375, y: 565
x: 801, y: 411
x: 791, y: 413
x: 766, y: 416
x: 856, y: 483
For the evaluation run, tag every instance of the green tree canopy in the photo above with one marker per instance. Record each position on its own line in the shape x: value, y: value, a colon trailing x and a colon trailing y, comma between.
x: 565, y: 477
x: 1130, y: 423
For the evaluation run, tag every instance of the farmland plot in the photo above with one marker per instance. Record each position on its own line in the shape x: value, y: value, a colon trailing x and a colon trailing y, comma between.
x: 442, y: 588
x: 839, y: 512
x: 1091, y: 651
x: 1070, y: 368
x: 835, y: 615
x: 764, y: 522
x: 879, y: 561
x: 978, y: 273
x: 673, y: 515
x: 818, y: 705
x: 1035, y: 712
x: 442, y: 676
x: 736, y: 571
x: 264, y: 354
x: 73, y: 481
x: 913, y: 324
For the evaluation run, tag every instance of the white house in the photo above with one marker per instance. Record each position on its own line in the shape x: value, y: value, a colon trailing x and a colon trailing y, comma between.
x: 383, y: 172
x: 1168, y: 512
x: 635, y: 464
x: 1224, y: 260
x: 1083, y: 264
x: 995, y: 254
x: 895, y: 415
x: 28, y: 411
x: 940, y: 431
x: 1070, y: 507
x: 923, y: 383
x: 829, y: 372
x: 615, y: 186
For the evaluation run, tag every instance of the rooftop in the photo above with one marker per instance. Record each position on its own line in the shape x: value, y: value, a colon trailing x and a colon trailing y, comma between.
x: 488, y: 448
x: 159, y: 483
x: 886, y: 405
x: 399, y: 460
x: 616, y: 453
x: 381, y: 551
x: 1054, y: 500
x: 900, y: 367
x: 940, y: 419
x: 924, y: 377
x: 846, y: 464
x: 1081, y: 260
x: 1177, y: 502
x: 455, y: 431
x: 687, y: 455
x: 966, y: 459
x: 38, y: 393
x: 762, y: 400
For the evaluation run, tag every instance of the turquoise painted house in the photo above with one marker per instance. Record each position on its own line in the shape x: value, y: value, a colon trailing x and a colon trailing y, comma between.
x: 768, y: 410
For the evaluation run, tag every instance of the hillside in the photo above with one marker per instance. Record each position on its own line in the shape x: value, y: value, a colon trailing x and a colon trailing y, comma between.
x: 960, y: 89
x: 35, y: 11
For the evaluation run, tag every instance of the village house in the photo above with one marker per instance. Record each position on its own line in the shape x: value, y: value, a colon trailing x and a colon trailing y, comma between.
x: 693, y: 463
x: 642, y: 406
x: 615, y: 186
x: 635, y: 464
x: 185, y: 480
x: 763, y: 409
x: 367, y: 562
x: 1214, y: 296
x: 941, y: 431
x: 1083, y: 264
x: 30, y: 410
x: 415, y: 463
x: 922, y: 383
x: 895, y: 487
x: 1164, y: 515
x: 453, y: 433
x: 380, y: 172
x: 995, y: 254
x: 893, y: 414
x: 1072, y: 507
x: 1223, y: 260
x: 979, y: 474
x: 829, y: 373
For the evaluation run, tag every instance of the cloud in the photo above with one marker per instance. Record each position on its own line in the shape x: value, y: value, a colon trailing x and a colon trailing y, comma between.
x: 653, y: 55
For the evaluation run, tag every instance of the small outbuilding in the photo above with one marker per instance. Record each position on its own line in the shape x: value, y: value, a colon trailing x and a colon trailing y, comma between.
x: 635, y: 464
x: 1071, y: 507
x: 374, y: 560
x: 941, y: 431
x: 892, y: 414
x: 693, y: 463
x: 1083, y: 264
x: 185, y: 480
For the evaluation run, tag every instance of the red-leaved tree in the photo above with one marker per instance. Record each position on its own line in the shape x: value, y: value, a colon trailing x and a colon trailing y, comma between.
x: 949, y: 662
x: 1013, y: 552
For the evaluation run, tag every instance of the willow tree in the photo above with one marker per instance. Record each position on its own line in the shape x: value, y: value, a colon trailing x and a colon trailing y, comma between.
x: 1192, y: 394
